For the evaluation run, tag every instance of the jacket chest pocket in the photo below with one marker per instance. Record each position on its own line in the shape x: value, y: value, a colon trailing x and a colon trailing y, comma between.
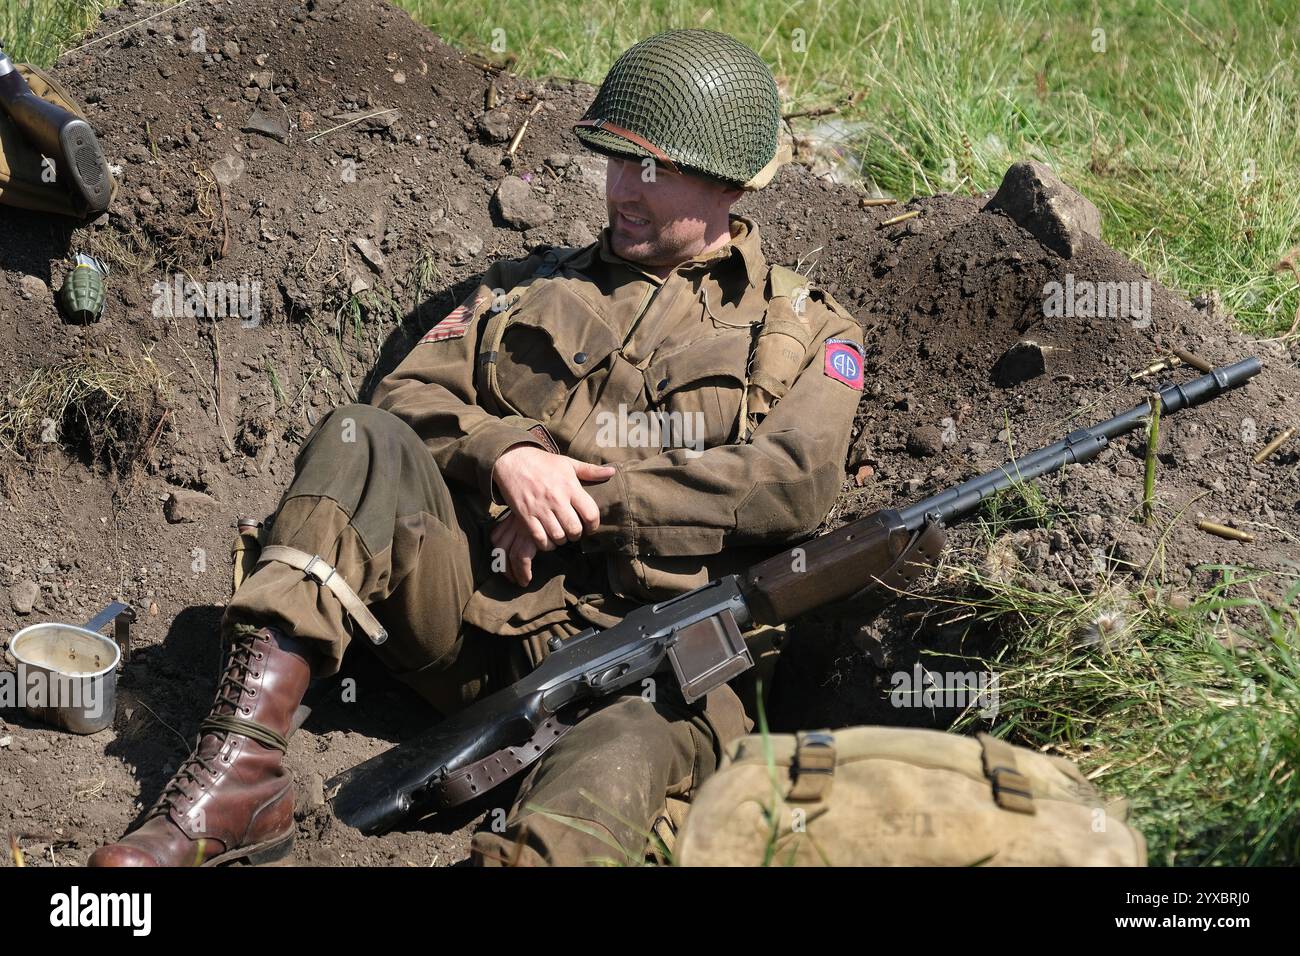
x: 551, y: 341
x: 697, y: 389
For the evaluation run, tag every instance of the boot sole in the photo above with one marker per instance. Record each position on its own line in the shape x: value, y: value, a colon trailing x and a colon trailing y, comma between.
x: 268, y: 853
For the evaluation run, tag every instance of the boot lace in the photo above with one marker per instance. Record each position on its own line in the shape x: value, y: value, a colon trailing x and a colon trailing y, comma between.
x: 222, y: 721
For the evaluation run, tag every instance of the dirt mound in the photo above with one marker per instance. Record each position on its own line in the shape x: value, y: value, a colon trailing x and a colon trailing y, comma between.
x: 333, y: 163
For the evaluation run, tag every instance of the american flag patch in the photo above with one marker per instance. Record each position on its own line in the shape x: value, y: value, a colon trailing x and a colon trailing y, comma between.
x: 456, y: 324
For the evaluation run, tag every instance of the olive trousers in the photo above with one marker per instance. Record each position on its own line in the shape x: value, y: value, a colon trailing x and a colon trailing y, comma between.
x: 368, y: 498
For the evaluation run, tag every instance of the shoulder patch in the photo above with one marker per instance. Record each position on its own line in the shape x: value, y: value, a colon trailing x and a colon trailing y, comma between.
x: 843, y: 362
x: 456, y: 324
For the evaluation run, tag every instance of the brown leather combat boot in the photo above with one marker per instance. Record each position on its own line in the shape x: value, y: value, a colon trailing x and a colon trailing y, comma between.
x: 232, y: 799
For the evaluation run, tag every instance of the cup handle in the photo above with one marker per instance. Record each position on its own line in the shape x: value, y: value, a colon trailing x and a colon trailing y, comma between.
x: 121, y: 615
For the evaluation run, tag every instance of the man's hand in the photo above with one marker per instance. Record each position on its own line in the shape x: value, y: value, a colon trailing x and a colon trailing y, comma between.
x: 545, y: 494
x: 514, y: 541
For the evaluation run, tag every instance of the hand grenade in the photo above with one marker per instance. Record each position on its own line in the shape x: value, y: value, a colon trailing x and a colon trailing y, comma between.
x: 83, y: 293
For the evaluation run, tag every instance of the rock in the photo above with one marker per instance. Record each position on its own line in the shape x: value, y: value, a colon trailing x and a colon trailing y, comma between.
x: 558, y: 161
x: 1054, y: 213
x: 137, y: 153
x: 452, y: 242
x: 370, y: 252
x: 230, y: 49
x: 579, y: 235
x: 273, y: 125
x: 34, y: 290
x: 925, y: 441
x: 1091, y: 528
x: 261, y: 79
x: 23, y: 595
x: 228, y: 169
x: 863, y: 475
x: 1020, y: 363
x: 484, y: 158
x: 495, y: 126
x: 1208, y: 302
x: 357, y: 283
x: 519, y: 207
x: 184, y: 505
x: 315, y: 791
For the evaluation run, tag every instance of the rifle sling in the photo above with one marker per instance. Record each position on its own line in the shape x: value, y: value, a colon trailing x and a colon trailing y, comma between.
x: 922, y: 552
x: 495, y: 769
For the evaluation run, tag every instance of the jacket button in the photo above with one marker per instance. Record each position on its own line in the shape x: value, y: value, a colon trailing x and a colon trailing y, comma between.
x: 663, y: 383
x: 620, y: 541
x: 580, y: 358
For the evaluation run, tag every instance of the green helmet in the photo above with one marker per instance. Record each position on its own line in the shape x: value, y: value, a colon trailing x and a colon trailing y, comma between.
x: 696, y: 101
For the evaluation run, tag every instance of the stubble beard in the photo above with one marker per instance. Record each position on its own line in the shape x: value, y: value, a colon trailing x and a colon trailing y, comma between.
x: 657, y: 250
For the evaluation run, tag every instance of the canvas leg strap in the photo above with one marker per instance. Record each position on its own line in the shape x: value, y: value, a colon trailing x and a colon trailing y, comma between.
x: 324, y: 574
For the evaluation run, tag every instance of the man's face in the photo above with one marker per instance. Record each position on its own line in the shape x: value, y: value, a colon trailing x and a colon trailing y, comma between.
x: 680, y: 213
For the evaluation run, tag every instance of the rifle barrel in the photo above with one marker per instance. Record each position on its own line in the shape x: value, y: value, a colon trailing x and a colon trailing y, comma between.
x: 1078, y: 446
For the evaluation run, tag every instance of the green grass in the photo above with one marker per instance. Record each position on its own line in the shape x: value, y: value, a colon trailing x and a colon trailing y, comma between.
x: 36, y: 31
x: 1193, y: 712
x: 1182, y: 130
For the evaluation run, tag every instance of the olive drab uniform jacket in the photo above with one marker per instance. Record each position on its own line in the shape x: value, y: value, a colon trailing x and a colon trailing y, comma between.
x: 723, y: 395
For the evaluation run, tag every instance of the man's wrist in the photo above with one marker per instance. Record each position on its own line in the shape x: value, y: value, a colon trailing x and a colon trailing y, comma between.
x: 492, y: 479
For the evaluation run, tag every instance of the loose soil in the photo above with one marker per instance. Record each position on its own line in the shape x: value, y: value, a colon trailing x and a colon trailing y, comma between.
x: 360, y: 237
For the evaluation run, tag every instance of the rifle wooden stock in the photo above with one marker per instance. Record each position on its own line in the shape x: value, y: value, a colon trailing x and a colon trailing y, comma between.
x: 825, y: 570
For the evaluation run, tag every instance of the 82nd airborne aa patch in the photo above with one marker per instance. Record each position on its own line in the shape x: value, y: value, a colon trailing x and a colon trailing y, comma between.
x: 455, y: 325
x: 844, y: 362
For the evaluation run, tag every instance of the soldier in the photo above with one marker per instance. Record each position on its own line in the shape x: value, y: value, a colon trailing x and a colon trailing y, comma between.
x: 589, y: 430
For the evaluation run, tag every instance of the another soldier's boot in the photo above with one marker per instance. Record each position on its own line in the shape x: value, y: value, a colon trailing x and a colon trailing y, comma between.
x: 233, y: 798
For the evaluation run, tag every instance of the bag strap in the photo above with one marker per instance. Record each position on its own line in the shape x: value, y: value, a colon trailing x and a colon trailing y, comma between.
x: 1011, y: 789
x: 813, y: 770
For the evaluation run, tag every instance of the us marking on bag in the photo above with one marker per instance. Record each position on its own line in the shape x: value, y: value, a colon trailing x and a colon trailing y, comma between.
x: 456, y: 324
x: 844, y: 362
